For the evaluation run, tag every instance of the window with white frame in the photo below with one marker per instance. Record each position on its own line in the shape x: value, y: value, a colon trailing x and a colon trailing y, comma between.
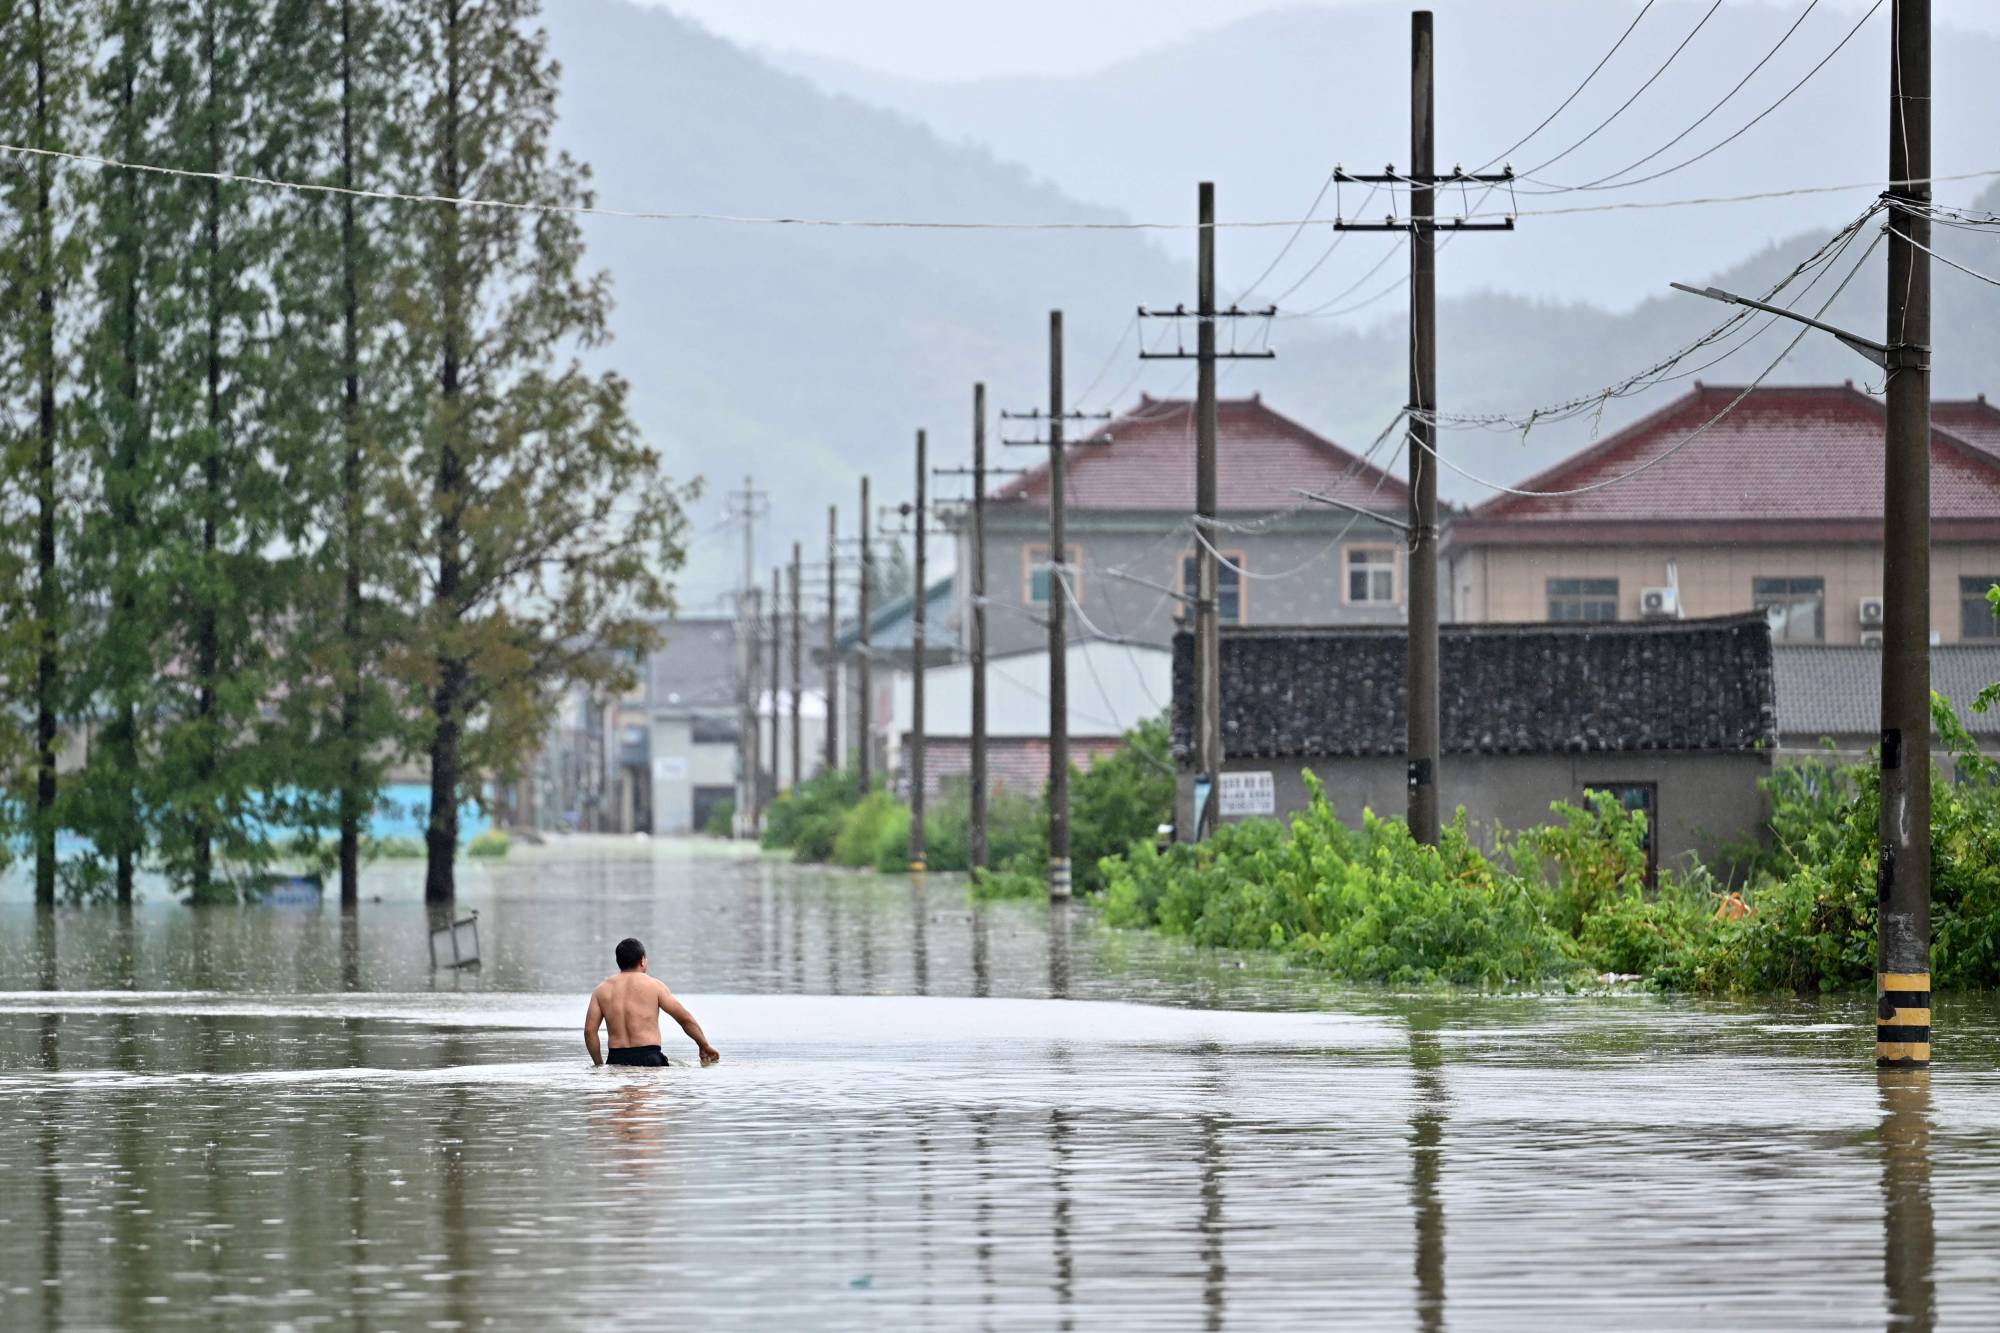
x: 1369, y: 574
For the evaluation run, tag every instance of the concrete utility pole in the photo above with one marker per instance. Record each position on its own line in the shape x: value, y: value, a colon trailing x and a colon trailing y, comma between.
x: 798, y: 664
x: 776, y: 620
x: 1207, y: 597
x: 1422, y: 670
x: 753, y: 774
x: 832, y: 670
x: 864, y: 737
x: 748, y: 499
x: 1059, y: 595
x: 922, y: 520
x: 1903, y: 981
x: 1423, y: 743
x: 977, y: 833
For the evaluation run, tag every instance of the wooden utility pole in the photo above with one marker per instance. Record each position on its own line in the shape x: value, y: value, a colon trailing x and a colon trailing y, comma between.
x: 864, y: 731
x: 748, y: 499
x: 922, y: 523
x: 798, y: 664
x: 831, y: 683
x: 1903, y: 980
x: 976, y: 851
x: 753, y: 773
x: 1207, y: 608
x: 1423, y: 737
x: 776, y: 621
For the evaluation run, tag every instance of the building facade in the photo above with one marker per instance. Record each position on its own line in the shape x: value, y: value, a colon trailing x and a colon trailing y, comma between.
x: 1702, y: 509
x: 1676, y: 718
x: 1130, y: 492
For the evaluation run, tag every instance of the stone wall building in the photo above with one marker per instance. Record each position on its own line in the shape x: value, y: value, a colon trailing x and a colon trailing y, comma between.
x: 1677, y: 718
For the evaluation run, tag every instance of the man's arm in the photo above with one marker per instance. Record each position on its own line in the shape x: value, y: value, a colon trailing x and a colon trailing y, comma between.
x: 677, y: 1011
x: 591, y: 1018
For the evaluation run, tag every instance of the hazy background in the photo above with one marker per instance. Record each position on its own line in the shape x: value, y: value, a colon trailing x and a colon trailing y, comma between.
x: 805, y: 356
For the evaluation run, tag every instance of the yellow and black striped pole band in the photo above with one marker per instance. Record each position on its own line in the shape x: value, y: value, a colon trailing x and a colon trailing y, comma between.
x: 1903, y: 1018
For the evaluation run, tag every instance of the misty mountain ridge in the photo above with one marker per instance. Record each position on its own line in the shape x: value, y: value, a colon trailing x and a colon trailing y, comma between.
x: 805, y: 356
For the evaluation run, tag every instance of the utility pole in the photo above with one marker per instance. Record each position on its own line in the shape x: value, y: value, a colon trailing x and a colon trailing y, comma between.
x: 1903, y: 874
x: 1059, y: 598
x: 1207, y: 608
x: 922, y: 518
x: 1423, y: 743
x: 798, y: 663
x: 977, y: 833
x: 753, y: 775
x: 1903, y: 980
x: 979, y: 472
x: 831, y: 683
x: 865, y: 669
x: 747, y: 505
x: 776, y: 619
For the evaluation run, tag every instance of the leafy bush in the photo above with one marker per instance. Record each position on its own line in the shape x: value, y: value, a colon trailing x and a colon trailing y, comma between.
x: 859, y: 840
x: 393, y: 849
x: 1122, y: 800
x: 492, y: 843
x: 807, y: 818
x: 892, y: 847
x: 721, y: 821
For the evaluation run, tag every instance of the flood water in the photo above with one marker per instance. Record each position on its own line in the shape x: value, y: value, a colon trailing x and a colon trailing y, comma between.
x: 932, y: 1113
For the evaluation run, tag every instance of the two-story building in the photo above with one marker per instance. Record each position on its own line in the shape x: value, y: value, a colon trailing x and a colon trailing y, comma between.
x: 1129, y: 508
x: 1704, y: 510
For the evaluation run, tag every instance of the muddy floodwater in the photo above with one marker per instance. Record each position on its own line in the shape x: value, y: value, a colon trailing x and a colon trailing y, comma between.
x: 934, y: 1114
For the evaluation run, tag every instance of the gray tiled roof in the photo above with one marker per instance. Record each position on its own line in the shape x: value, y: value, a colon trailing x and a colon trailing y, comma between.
x: 1507, y: 689
x: 1836, y: 690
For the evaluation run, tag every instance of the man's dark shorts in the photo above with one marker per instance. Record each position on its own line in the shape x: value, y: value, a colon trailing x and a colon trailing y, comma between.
x: 646, y: 1057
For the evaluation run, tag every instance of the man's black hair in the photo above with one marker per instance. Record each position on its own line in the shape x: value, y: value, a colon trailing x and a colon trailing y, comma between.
x: 630, y: 954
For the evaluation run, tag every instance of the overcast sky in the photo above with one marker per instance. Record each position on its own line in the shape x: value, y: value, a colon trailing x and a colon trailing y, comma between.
x: 958, y: 39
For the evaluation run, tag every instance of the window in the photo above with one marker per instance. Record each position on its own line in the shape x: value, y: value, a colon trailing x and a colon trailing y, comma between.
x: 1796, y: 608
x: 1643, y: 797
x: 1035, y: 587
x: 1593, y: 600
x: 1228, y: 585
x: 1371, y: 575
x: 1980, y: 620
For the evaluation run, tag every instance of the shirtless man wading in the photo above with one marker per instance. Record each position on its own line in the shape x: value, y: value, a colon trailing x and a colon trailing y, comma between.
x: 631, y: 1003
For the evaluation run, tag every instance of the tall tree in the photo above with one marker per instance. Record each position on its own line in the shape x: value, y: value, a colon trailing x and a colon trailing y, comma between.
x: 121, y: 663
x: 544, y: 534
x: 231, y: 546
x: 356, y: 396
x: 39, y: 262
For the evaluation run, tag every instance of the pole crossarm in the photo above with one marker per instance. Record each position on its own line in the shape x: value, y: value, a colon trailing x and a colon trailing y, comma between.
x: 1889, y: 356
x: 1268, y: 354
x: 976, y: 471
x: 1351, y: 508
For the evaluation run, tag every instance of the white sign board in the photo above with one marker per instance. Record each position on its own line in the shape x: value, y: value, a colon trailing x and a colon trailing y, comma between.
x: 670, y: 768
x: 1248, y: 794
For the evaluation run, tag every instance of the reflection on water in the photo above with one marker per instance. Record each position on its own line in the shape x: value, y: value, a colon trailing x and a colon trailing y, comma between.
x: 264, y: 1118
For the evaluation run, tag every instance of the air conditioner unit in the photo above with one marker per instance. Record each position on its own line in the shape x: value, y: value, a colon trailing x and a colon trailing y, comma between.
x: 1871, y: 613
x: 1871, y: 638
x: 1660, y: 603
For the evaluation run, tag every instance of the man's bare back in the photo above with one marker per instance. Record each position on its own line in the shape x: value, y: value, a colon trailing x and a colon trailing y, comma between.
x: 630, y: 1004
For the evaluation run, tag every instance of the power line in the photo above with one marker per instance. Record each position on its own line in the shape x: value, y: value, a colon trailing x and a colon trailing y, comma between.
x: 1575, y: 92
x: 1623, y: 106
x: 921, y: 224
x: 1615, y: 184
x: 1678, y: 445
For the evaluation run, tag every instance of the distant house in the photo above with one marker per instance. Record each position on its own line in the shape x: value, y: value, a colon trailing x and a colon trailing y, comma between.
x: 1677, y: 718
x: 1830, y: 696
x: 695, y: 720
x: 1112, y: 688
x: 891, y: 648
x: 1130, y: 491
x: 1775, y: 507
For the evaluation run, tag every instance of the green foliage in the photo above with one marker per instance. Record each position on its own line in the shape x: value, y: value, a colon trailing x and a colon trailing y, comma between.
x: 995, y: 885
x: 807, y: 818
x: 721, y: 821
x: 1016, y: 832
x: 1122, y: 800
x: 892, y: 839
x: 491, y: 844
x: 865, y: 825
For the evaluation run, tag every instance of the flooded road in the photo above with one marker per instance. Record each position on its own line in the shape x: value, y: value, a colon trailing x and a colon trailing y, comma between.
x: 936, y: 1114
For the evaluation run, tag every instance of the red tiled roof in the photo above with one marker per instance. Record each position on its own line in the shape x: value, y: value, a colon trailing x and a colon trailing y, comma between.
x: 1260, y: 457
x: 1973, y: 420
x: 1787, y: 460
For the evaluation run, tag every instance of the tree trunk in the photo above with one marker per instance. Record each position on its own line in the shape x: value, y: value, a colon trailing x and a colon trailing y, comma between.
x: 350, y: 624
x: 448, y: 699
x: 45, y: 496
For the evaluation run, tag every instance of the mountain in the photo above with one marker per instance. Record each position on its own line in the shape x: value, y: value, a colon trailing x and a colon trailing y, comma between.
x: 1265, y: 106
x: 803, y: 356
